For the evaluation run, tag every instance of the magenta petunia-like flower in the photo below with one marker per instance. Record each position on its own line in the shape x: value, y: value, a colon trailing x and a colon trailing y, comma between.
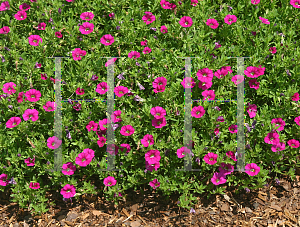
x: 144, y: 43
x: 87, y: 16
x: 13, y: 122
x: 278, y: 147
x: 264, y: 20
x: 293, y: 143
x: 83, y: 159
x: 53, y: 142
x: 30, y: 161
x: 34, y: 185
x: 165, y: 4
x: 32, y: 114
x: 252, y: 72
x: 3, y: 179
x: 58, y: 35
x: 231, y: 155
x: 68, y: 191
x: 4, y: 30
x: 147, y: 140
x: 209, y: 94
x: 21, y: 15
x: 33, y: 95
x: 252, y: 110
x: 151, y: 167
x: 154, y: 184
x: 134, y: 54
x: 24, y: 7
x: 252, y: 169
x: 78, y: 53
x: 159, y: 123
x: 159, y: 81
x: 50, y: 106
x: 297, y: 120
x: 41, y: 26
x: 237, y: 79
x: 107, y: 40
x: 279, y: 124
x: 126, y: 147
x: 79, y: 91
x: 254, y: 84
x: 255, y: 2
x: 218, y: 178
x: 205, y: 75
x: 198, y: 111
x: 120, y: 91
x: 226, y: 168
x: 186, y: 22
x: 4, y: 6
x: 229, y: 19
x: 233, y: 129
x: 127, y: 130
x: 147, y: 50
x: 188, y: 82
x: 92, y: 126
x: 68, y: 168
x: 204, y: 85
x: 102, y: 88
x: 101, y: 141
x: 148, y: 18
x: 158, y: 112
x: 295, y: 3
x: 109, y: 181
x: 34, y: 40
x: 163, y: 29
x: 152, y: 156
x: 86, y: 28
x: 273, y: 50
x: 295, y: 97
x: 117, y: 114
x: 212, y: 23
x: 9, y: 88
x: 110, y: 62
x: 182, y: 151
x: 103, y: 123
x: 272, y: 138
x: 210, y: 158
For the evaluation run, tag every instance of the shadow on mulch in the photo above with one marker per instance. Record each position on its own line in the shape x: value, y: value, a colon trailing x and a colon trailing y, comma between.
x: 264, y: 207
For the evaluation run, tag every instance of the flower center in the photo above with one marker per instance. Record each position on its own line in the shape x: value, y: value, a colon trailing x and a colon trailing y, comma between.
x: 127, y: 131
x: 14, y: 123
x: 158, y: 122
x: 217, y: 180
x: 152, y: 156
x: 33, y: 96
x: 68, y: 190
x: 149, y: 19
x: 197, y: 112
x: 68, y: 169
x: 87, y: 29
x: 211, y: 24
x: 211, y: 159
x: 121, y: 92
x: 186, y: 23
x: 83, y: 160
x: 159, y: 83
x: 158, y: 114
x: 252, y: 170
x: 103, y: 88
x: 107, y: 41
x: 30, y: 115
x: 53, y: 143
x: 87, y: 18
x: 156, y: 184
x: 49, y: 108
x: 109, y: 183
x: 35, y: 40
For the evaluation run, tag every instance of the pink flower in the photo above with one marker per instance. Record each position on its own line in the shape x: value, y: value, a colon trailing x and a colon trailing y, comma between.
x: 147, y: 50
x: 50, y: 106
x: 42, y: 26
x: 273, y: 50
x: 83, y: 159
x: 186, y: 22
x: 204, y: 85
x: 297, y: 120
x: 134, y: 54
x: 151, y: 167
x: 21, y: 15
x: 198, y: 111
x: 33, y: 95
x: 252, y: 72
x: 272, y: 138
x: 34, y: 185
x: 278, y: 147
x: 295, y: 97
x: 87, y: 16
x: 194, y: 2
x: 30, y: 161
x: 103, y: 124
x: 163, y: 29
x: 231, y: 155
x: 112, y: 15
x: 154, y: 184
x: 147, y: 140
x: 182, y: 151
x: 107, y: 40
x: 101, y: 141
x: 58, y: 34
x: 279, y: 124
x: 78, y: 53
x: 13, y: 122
x: 4, y: 30
x: 217, y: 131
x: 209, y: 94
x: 9, y: 88
x: 4, y: 6
x: 3, y: 176
x: 158, y: 112
x: 125, y: 146
x: 92, y: 126
x: 237, y: 79
x: 148, y: 18
x: 188, y: 82
x: 226, y: 168
x: 232, y: 128
x: 229, y: 19
x: 152, y: 156
x: 165, y: 4
x: 293, y: 143
x: 218, y: 178
x: 159, y: 81
x: 144, y: 43
x: 79, y: 91
x: 32, y: 114
x: 127, y: 130
x: 68, y: 168
x: 254, y: 84
x: 159, y: 123
x: 252, y: 169
x: 53, y: 142
x: 34, y: 40
x: 210, y: 158
x: 120, y: 91
x: 86, y: 28
x: 68, y: 191
x: 117, y: 113
x: 264, y: 20
x: 212, y: 23
x: 255, y: 2
x: 110, y: 62
x: 109, y: 181
x: 102, y: 88
x: 252, y: 110
x: 205, y: 75
x: 295, y: 3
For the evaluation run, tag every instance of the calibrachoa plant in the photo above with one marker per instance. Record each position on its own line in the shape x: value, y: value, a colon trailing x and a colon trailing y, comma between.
x: 149, y: 96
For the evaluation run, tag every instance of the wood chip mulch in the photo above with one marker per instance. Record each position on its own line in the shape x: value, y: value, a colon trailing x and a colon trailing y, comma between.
x: 272, y: 206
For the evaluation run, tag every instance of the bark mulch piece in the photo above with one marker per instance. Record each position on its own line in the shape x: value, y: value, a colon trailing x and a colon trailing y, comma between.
x: 272, y: 206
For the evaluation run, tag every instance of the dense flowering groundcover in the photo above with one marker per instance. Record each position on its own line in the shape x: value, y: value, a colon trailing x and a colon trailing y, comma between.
x: 149, y: 95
